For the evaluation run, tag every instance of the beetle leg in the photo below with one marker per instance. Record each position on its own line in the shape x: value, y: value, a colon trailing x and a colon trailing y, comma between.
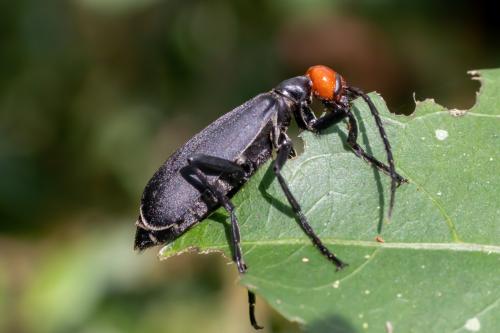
x: 333, y: 117
x: 283, y: 152
x: 352, y: 138
x: 210, y: 164
x: 276, y: 135
x: 206, y: 162
x: 196, y: 164
x: 356, y: 92
x: 304, y: 116
x: 251, y: 311
x: 336, y: 115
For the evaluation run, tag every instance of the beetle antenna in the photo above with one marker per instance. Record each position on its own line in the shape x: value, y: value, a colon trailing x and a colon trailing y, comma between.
x: 392, y: 170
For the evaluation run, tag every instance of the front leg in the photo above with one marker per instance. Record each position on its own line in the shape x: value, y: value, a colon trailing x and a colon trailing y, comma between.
x: 306, y: 119
x: 352, y: 138
x: 333, y: 117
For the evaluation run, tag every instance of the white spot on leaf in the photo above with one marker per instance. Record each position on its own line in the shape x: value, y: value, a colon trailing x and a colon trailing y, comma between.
x: 472, y: 325
x: 365, y: 325
x: 336, y: 284
x: 305, y: 259
x: 298, y: 320
x: 367, y: 292
x: 388, y: 327
x: 441, y: 134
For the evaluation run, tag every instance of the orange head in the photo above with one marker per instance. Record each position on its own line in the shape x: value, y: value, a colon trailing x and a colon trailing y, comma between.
x: 326, y: 83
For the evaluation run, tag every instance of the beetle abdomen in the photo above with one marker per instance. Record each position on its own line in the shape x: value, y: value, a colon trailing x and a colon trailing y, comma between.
x: 169, y: 200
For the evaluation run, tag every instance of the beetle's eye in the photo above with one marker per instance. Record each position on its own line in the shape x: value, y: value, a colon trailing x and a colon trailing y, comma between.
x: 324, y: 82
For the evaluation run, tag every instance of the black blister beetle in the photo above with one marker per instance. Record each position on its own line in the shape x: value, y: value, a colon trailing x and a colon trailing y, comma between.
x: 212, y: 166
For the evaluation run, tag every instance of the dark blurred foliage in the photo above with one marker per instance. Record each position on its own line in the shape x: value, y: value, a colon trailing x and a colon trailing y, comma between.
x: 95, y: 94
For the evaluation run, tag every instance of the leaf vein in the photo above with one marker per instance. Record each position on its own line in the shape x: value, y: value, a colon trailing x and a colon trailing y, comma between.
x: 457, y: 247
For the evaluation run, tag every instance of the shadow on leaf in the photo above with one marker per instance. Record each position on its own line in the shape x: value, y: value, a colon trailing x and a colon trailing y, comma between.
x: 276, y: 203
x: 376, y: 174
x: 222, y: 219
x: 332, y: 324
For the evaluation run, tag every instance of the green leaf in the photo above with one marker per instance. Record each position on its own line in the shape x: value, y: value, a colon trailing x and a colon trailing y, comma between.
x: 438, y: 269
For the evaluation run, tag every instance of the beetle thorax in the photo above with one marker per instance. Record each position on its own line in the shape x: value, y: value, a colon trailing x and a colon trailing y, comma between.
x: 297, y: 89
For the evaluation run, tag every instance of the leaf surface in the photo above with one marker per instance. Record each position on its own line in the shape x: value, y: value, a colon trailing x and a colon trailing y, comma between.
x: 439, y: 268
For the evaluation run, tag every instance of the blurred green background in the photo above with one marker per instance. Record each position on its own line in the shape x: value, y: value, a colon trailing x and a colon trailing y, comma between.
x: 95, y: 94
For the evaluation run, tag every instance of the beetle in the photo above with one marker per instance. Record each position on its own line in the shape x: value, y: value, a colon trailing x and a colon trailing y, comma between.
x: 211, y: 167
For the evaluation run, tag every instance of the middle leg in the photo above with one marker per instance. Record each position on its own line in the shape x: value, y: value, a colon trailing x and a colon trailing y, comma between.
x: 281, y: 158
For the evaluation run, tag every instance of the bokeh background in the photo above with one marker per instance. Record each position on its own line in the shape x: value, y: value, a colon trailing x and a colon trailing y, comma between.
x: 95, y: 94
